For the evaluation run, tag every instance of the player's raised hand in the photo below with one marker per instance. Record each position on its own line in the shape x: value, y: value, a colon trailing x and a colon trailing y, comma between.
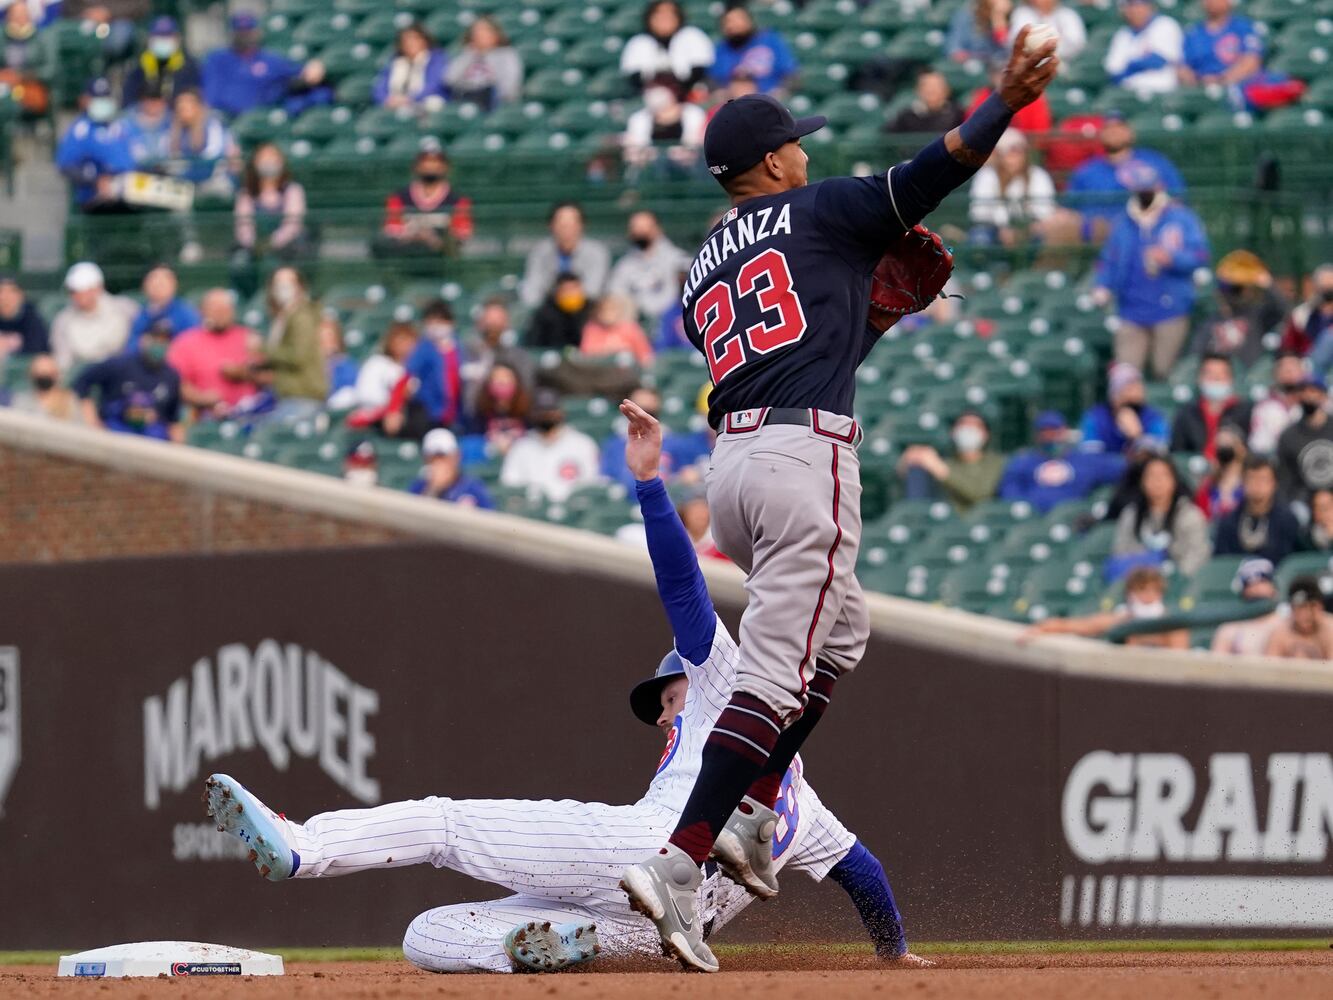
x: 1028, y: 73
x: 643, y: 443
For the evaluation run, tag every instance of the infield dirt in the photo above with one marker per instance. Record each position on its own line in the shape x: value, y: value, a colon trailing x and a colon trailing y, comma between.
x: 820, y: 975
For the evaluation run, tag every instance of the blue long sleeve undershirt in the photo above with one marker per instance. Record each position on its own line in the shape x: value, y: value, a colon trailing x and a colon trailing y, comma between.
x: 680, y: 583
x: 863, y: 878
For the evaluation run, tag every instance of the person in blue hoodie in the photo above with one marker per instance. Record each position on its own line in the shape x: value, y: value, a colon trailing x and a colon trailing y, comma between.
x: 1125, y: 419
x: 1147, y: 268
x: 1055, y: 471
x: 246, y: 76
x: 162, y: 305
x: 97, y: 148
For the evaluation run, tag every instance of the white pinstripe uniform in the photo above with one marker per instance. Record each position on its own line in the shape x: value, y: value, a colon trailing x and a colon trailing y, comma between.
x: 562, y: 859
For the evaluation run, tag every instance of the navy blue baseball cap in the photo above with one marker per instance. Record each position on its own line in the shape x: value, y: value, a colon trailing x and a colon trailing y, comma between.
x: 1313, y: 380
x: 645, y: 701
x: 244, y: 21
x: 1050, y: 420
x: 746, y: 129
x: 164, y: 25
x: 99, y: 87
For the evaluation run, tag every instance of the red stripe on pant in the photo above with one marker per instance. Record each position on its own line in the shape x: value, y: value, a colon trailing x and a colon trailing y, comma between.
x: 828, y: 580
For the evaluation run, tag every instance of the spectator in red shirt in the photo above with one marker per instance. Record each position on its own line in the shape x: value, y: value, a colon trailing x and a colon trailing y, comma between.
x: 428, y: 218
x: 1035, y: 119
x: 214, y: 359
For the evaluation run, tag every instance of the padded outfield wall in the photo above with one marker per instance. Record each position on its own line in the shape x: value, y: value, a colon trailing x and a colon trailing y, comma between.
x: 1066, y: 789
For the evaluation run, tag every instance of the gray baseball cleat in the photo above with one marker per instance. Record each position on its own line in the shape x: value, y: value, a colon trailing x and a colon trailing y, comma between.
x: 664, y: 889
x: 744, y: 848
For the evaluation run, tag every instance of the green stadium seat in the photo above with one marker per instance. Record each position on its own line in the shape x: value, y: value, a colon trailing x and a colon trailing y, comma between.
x: 1214, y: 579
x: 1317, y: 564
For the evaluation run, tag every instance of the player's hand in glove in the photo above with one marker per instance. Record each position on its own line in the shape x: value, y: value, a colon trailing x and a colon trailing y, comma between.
x: 643, y: 443
x: 910, y: 275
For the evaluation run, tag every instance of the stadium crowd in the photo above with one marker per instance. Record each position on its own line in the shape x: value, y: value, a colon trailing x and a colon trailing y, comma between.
x: 1217, y: 465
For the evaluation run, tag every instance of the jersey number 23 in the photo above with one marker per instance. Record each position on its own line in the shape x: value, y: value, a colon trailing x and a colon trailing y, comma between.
x: 782, y: 320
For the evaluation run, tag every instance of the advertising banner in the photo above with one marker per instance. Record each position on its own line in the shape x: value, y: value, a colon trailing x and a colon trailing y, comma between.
x: 1004, y: 802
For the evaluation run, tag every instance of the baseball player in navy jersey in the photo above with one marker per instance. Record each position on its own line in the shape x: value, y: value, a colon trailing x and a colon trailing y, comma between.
x: 563, y: 860
x: 777, y: 299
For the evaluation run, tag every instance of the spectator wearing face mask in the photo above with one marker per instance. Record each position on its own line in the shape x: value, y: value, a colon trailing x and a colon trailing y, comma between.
x: 1309, y: 329
x: 762, y: 55
x: 361, y: 466
x: 1009, y: 194
x: 381, y: 373
x: 1307, y: 633
x: 292, y: 357
x: 1275, y: 413
x: 1246, y: 309
x: 552, y: 458
x: 966, y: 479
x: 1249, y: 637
x: 1125, y: 419
x: 442, y: 477
x: 500, y: 414
x: 567, y: 251
x: 45, y: 396
x: 415, y: 74
x: 668, y: 47
x: 94, y: 325
x: 151, y: 119
x: 1054, y: 471
x: 1147, y: 267
x: 665, y: 136
x: 494, y: 341
x: 560, y: 321
x: 428, y: 217
x: 245, y: 75
x: 1305, y: 449
x: 1145, y: 594
x: 649, y: 272
x: 97, y: 149
x: 214, y: 358
x: 162, y: 304
x: 22, y: 329
x: 443, y: 394
x: 135, y: 393
x: 1262, y: 526
x: 1222, y: 489
x: 1216, y: 404
x: 270, y: 208
x: 164, y: 65
x: 680, y: 451
x: 1162, y: 522
x: 979, y: 30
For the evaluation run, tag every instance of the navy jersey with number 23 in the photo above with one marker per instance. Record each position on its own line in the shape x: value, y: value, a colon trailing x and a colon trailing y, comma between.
x: 777, y: 297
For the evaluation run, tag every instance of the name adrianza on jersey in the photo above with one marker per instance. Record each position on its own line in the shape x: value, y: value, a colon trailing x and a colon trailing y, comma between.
x: 742, y: 232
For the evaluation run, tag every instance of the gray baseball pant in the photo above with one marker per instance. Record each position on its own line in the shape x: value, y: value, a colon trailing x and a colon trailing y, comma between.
x: 785, y: 504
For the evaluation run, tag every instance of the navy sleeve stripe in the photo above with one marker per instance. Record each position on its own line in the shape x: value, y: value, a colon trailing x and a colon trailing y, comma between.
x: 893, y: 199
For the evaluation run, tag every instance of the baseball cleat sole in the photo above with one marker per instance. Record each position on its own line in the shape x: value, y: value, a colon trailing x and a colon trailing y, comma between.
x: 541, y: 946
x: 238, y: 812
x: 732, y: 858
x: 643, y: 898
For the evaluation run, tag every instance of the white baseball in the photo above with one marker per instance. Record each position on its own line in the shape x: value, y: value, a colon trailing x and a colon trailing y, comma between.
x: 1039, y: 35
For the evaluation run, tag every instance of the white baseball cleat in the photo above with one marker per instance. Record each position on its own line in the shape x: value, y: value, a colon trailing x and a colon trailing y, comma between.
x: 744, y: 848
x: 908, y: 960
x: 664, y: 889
x: 239, y: 812
x: 541, y: 946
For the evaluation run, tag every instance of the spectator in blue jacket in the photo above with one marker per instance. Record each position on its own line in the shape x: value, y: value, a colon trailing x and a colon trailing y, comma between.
x: 162, y: 305
x: 442, y: 477
x: 1124, y: 420
x: 137, y: 392
x: 760, y: 55
x: 1147, y: 266
x: 1095, y: 194
x: 164, y: 64
x: 1054, y: 471
x: 680, y: 451
x: 1223, y: 48
x: 245, y: 76
x: 979, y: 29
x: 97, y: 148
x: 415, y: 75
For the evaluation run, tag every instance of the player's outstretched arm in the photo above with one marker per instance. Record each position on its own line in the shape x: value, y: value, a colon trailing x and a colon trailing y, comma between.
x: 680, y: 584
x: 863, y: 878
x: 918, y: 186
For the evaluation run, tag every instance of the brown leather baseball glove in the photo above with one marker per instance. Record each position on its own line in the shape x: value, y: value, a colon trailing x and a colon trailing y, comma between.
x: 911, y: 274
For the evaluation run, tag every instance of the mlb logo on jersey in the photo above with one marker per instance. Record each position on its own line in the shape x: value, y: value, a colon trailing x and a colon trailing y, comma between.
x: 730, y: 216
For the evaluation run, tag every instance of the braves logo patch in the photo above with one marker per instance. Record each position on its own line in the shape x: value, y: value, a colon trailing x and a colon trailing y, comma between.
x: 672, y: 745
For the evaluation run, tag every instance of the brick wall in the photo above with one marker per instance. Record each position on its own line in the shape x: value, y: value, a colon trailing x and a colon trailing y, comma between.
x: 56, y: 510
